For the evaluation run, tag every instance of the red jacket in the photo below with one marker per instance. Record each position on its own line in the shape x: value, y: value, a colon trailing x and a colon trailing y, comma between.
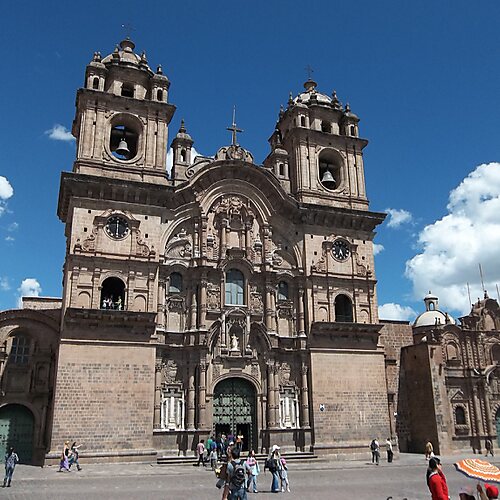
x: 438, y: 486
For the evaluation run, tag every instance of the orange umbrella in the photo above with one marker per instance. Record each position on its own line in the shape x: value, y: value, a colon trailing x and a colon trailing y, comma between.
x: 479, y: 469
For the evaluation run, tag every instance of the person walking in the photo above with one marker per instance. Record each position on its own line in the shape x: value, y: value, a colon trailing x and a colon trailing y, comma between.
x: 285, y: 484
x: 253, y: 466
x: 390, y: 453
x: 436, y: 480
x: 489, y: 447
x: 375, y: 449
x: 64, y: 464
x: 74, y: 455
x: 213, y: 459
x: 200, y: 450
x: 11, y: 459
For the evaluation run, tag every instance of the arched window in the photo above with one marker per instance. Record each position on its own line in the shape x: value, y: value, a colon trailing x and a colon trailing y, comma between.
x: 460, y: 416
x: 282, y: 290
x: 495, y: 353
x: 113, y: 294
x: 123, y: 141
x: 20, y: 350
x: 159, y: 95
x: 326, y: 127
x: 175, y: 283
x: 127, y: 90
x: 302, y: 121
x: 353, y: 130
x: 452, y: 352
x: 235, y: 283
x: 343, y: 309
x: 329, y: 169
x: 282, y: 169
x: 95, y: 83
x: 183, y: 155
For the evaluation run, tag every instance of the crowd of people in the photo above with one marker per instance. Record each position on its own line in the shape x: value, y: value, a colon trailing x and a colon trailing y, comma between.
x: 237, y: 475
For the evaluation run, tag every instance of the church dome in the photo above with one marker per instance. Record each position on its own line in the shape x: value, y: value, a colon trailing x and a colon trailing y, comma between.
x: 312, y: 96
x: 124, y: 55
x: 432, y: 316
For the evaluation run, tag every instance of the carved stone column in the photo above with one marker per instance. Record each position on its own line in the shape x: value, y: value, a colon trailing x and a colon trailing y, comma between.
x: 477, y: 414
x: 300, y: 315
x: 194, y: 309
x: 248, y: 243
x: 271, y: 422
x: 161, y: 302
x: 157, y: 406
x: 202, y: 393
x: 268, y: 309
x: 203, y: 301
x: 191, y: 399
x: 276, y: 397
x: 223, y: 238
x: 487, y: 410
x: 304, y: 399
x: 196, y: 238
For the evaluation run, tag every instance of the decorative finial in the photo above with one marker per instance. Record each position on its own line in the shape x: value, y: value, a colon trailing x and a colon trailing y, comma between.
x: 234, y: 129
x: 182, y: 128
x: 347, y: 108
x: 290, y: 99
x: 159, y: 70
x: 335, y: 101
x: 143, y: 56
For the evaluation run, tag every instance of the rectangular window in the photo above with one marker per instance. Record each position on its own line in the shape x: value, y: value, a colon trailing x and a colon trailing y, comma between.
x: 172, y: 409
x: 289, y: 408
x: 19, y: 353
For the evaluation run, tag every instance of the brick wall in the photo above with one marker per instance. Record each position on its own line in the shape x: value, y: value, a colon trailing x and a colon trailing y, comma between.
x: 352, y: 387
x: 104, y: 397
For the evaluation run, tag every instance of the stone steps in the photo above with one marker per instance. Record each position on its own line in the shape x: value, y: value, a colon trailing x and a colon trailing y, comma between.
x: 190, y: 460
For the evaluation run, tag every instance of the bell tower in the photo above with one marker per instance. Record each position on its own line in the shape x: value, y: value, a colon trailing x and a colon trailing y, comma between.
x: 122, y: 118
x: 325, y: 151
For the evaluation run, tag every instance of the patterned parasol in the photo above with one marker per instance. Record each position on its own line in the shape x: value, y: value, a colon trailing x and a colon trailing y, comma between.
x: 479, y: 469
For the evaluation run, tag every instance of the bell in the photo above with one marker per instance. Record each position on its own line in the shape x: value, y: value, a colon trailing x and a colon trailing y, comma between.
x: 327, y: 178
x: 122, y: 148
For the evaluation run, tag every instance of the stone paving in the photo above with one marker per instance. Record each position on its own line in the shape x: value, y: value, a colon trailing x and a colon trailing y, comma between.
x: 404, y: 478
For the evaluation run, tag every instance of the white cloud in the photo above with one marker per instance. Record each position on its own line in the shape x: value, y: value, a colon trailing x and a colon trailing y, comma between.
x: 60, y: 133
x: 377, y: 248
x: 6, y: 190
x: 453, y: 247
x: 398, y: 217
x: 170, y: 157
x: 14, y: 226
x: 396, y: 312
x: 29, y: 288
x: 4, y: 283
x: 10, y: 238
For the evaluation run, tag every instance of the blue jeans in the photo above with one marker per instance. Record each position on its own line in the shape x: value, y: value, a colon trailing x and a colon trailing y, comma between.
x: 239, y: 494
x: 8, y: 474
x: 252, y: 482
x: 275, y: 485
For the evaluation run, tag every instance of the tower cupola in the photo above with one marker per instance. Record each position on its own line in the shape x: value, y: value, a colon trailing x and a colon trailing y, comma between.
x: 181, y: 148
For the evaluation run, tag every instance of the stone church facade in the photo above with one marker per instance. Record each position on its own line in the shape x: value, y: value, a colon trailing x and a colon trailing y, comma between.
x: 225, y: 297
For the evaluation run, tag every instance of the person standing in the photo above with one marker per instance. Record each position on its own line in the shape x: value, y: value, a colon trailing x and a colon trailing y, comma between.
x: 429, y: 450
x: 200, y: 450
x: 64, y: 464
x: 375, y: 449
x: 11, y: 459
x: 213, y: 459
x: 236, y: 477
x: 253, y: 465
x: 489, y: 447
x: 436, y: 480
x: 390, y: 453
x: 273, y: 464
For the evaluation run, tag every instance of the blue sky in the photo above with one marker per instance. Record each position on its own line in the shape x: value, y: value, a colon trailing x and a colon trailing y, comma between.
x: 422, y: 76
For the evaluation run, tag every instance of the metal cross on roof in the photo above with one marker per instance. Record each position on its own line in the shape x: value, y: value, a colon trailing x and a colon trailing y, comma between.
x: 234, y: 129
x: 128, y: 28
x: 310, y: 71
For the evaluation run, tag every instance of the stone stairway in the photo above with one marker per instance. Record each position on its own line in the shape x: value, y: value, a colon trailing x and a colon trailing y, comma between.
x: 191, y: 460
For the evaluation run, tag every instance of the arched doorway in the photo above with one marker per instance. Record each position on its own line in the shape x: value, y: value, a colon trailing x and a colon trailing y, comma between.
x: 234, y: 408
x: 113, y: 294
x: 16, y: 429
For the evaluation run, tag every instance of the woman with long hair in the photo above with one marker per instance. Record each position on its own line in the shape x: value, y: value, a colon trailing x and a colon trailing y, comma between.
x: 64, y: 464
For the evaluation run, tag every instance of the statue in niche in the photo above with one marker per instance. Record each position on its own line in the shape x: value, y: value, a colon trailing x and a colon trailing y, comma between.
x: 235, y: 344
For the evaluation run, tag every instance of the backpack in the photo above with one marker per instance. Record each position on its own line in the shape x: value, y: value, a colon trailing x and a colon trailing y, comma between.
x: 271, y: 464
x: 373, y: 446
x: 239, y: 475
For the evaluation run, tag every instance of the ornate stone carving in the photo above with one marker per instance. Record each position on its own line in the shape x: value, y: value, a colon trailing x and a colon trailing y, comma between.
x: 89, y: 243
x: 180, y: 246
x: 256, y: 302
x: 143, y: 250
x: 171, y: 372
x: 285, y: 309
x: 213, y: 296
x: 216, y: 370
x: 284, y: 373
x: 175, y: 303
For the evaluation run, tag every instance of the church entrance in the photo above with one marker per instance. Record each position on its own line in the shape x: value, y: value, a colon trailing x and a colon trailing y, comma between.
x: 16, y: 429
x: 234, y: 407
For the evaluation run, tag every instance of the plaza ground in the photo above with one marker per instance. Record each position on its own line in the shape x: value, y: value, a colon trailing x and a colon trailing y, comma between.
x: 404, y: 478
